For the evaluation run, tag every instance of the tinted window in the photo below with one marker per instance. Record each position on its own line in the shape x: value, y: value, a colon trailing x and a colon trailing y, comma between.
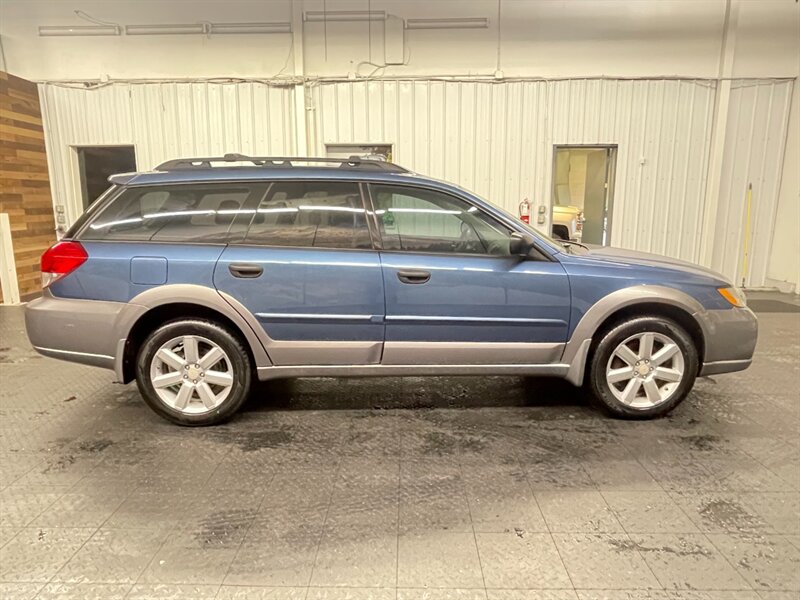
x: 89, y: 213
x: 319, y: 214
x: 180, y: 213
x: 419, y: 220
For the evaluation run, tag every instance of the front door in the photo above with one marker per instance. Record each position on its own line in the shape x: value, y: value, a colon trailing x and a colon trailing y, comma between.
x: 454, y: 294
x: 307, y: 271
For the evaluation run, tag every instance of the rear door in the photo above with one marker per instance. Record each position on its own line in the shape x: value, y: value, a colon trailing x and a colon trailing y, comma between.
x: 307, y: 270
x: 454, y: 293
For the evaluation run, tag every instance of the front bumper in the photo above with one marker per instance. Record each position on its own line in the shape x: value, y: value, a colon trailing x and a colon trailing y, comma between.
x: 81, y: 331
x: 730, y: 340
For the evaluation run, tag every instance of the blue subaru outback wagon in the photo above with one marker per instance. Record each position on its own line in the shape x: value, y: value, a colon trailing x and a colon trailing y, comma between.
x: 205, y: 273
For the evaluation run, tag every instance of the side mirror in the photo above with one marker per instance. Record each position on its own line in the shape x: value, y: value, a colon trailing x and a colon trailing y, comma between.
x: 520, y: 244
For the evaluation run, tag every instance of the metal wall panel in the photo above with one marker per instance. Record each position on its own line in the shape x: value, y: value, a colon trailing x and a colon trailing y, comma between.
x: 162, y: 121
x: 756, y: 136
x: 497, y: 139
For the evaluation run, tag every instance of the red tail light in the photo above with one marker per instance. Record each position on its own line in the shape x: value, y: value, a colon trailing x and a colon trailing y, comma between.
x: 61, y: 259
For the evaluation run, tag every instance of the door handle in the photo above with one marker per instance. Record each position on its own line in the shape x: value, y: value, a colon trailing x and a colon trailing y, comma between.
x: 413, y: 276
x: 245, y: 270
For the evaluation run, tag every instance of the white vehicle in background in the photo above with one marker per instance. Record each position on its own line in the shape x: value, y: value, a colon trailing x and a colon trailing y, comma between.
x: 567, y: 223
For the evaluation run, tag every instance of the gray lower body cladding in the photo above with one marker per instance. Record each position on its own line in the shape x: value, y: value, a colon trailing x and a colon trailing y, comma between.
x: 730, y: 338
x: 93, y: 333
x: 80, y: 331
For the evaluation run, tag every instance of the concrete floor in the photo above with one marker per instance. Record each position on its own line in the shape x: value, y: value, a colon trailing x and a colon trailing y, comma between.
x: 500, y: 487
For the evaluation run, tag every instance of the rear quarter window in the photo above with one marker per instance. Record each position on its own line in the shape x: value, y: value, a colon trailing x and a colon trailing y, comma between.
x: 177, y: 213
x: 94, y: 208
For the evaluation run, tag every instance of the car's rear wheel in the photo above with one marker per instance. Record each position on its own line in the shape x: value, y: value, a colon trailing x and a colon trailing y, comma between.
x: 193, y: 372
x: 643, y: 368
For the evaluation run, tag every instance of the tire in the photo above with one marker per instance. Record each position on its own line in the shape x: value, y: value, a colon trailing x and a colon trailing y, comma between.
x: 204, y: 391
x: 641, y: 384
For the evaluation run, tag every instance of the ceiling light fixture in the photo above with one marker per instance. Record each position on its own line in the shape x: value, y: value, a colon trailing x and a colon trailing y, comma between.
x: 450, y: 23
x: 78, y: 30
x: 173, y: 29
x: 319, y: 16
x: 244, y: 28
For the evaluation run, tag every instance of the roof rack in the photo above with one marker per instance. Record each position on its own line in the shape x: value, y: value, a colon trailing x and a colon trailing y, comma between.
x: 354, y: 162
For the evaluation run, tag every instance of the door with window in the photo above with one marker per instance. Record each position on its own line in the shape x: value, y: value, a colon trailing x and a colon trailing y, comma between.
x: 454, y: 293
x: 307, y: 270
x: 583, y: 187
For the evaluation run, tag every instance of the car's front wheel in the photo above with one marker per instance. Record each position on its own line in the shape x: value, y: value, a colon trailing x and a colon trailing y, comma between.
x: 643, y: 368
x: 193, y: 372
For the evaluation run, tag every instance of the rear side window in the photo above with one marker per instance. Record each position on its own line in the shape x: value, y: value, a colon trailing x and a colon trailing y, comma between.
x: 317, y: 214
x: 177, y: 213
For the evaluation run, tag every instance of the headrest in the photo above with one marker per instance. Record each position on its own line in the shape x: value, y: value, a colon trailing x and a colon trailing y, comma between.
x: 226, y: 219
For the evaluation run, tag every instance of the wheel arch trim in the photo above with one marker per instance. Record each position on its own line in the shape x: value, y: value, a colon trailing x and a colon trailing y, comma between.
x: 208, y: 298
x: 576, y: 351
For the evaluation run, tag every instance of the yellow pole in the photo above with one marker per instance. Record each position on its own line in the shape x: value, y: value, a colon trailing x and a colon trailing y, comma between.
x: 747, y: 231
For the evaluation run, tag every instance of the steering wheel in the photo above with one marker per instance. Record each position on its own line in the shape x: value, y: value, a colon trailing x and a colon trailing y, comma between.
x: 467, y: 242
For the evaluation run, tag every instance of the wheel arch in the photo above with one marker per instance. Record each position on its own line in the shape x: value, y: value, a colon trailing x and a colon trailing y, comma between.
x: 628, y: 303
x: 154, y: 307
x: 652, y: 309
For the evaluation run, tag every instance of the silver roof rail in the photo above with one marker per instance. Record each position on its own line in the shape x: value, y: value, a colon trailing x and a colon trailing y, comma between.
x: 354, y: 162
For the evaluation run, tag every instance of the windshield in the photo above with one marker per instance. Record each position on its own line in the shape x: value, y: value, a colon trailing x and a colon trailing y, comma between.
x: 540, y: 236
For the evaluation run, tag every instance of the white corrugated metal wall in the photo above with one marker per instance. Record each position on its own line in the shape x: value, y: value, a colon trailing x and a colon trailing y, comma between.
x: 758, y: 119
x: 162, y: 121
x: 497, y: 139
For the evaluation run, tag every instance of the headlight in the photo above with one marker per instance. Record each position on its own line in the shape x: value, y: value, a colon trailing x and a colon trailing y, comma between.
x: 734, y: 295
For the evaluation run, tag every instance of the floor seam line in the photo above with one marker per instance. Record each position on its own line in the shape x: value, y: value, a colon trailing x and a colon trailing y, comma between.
x: 324, y: 523
x: 547, y: 525
x: 471, y: 522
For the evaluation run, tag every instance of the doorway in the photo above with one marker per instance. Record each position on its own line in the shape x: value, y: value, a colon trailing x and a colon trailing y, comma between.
x: 97, y: 163
x: 583, y: 193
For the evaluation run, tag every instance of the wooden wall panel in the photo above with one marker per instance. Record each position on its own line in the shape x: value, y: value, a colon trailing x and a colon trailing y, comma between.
x: 24, y: 182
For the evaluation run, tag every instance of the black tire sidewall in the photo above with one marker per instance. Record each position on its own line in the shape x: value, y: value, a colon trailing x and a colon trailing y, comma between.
x: 619, y: 333
x: 233, y: 347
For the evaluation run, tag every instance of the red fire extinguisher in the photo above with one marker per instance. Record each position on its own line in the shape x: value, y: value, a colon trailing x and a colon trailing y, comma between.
x: 525, y: 211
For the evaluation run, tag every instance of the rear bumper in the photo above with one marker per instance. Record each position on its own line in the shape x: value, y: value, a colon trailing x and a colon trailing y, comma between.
x: 81, y: 331
x: 730, y: 340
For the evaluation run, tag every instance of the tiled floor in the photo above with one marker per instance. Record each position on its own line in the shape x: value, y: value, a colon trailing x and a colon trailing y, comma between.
x: 493, y: 488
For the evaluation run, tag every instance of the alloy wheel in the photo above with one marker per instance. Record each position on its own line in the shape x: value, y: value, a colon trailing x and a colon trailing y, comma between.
x: 191, y: 374
x: 645, y: 370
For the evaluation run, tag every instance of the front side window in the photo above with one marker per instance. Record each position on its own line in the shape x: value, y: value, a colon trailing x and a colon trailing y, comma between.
x: 177, y: 213
x: 420, y: 220
x: 312, y: 214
